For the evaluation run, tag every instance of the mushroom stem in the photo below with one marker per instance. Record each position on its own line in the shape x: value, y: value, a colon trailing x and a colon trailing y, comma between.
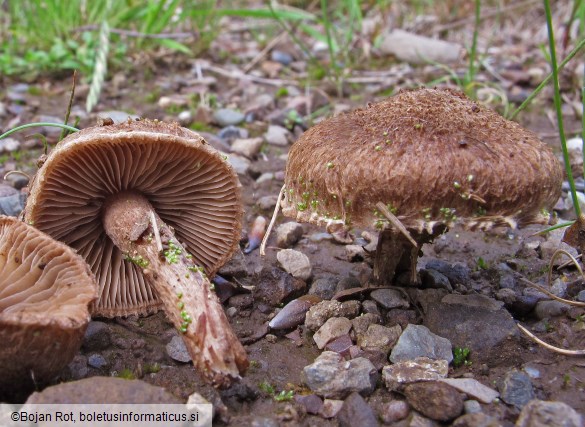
x: 183, y: 287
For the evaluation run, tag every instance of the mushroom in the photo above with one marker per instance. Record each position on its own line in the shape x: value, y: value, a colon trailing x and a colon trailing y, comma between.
x: 45, y: 293
x: 414, y: 165
x: 154, y: 210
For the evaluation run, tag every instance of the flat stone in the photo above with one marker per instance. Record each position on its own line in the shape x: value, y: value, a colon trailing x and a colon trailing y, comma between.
x: 332, y: 376
x: 418, y: 341
x: 473, y: 388
x: 267, y: 203
x: 456, y: 273
x: 273, y: 286
x: 177, y: 351
x: 435, y: 400
x: 248, y: 147
x: 356, y: 412
x: 516, y: 389
x: 319, y: 313
x: 333, y: 328
x: 394, y: 411
x: 96, y: 361
x: 227, y: 116
x: 288, y: 234
x: 277, y: 135
x: 8, y: 145
x: 550, y: 308
x: 236, y: 266
x: 411, y: 371
x: 330, y: 408
x: 239, y: 163
x: 340, y: 345
x: 379, y: 337
x: 311, y: 402
x: 295, y: 263
x: 539, y: 413
x: 389, y: 298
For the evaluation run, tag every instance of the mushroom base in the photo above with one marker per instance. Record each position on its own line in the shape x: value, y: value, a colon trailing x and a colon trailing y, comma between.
x: 183, y: 287
x: 395, y: 254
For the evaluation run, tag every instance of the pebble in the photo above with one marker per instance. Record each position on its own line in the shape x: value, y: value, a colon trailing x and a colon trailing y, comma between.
x: 284, y: 58
x: 532, y: 372
x: 265, y: 177
x: 185, y: 118
x: 539, y: 413
x: 516, y: 389
x: 277, y: 135
x: 471, y: 407
x: 456, y: 273
x: 288, y: 234
x: 12, y: 205
x: 399, y: 316
x: 473, y: 388
x: 248, y: 147
x: 235, y: 267
x: 435, y: 400
x: 331, y: 376
x: 267, y: 203
x: 554, y: 242
x: 330, y: 408
x: 324, y: 287
x: 320, y: 237
x: 389, y: 298
x: 295, y: 263
x: 17, y: 180
x: 416, y: 49
x: 116, y: 116
x: 227, y: 116
x: 311, y: 402
x: 229, y: 133
x: 347, y: 282
x: 418, y: 341
x: 273, y: 286
x: 433, y: 279
x: 96, y: 361
x: 319, y: 313
x: 293, y: 314
x: 355, y: 253
x: 231, y: 311
x: 350, y: 309
x: 394, y: 411
x: 477, y: 419
x: 263, y: 422
x: 356, y: 412
x: 362, y: 323
x: 581, y: 296
x: 8, y: 145
x: 340, y: 345
x: 410, y: 371
x: 371, y: 307
x: 97, y: 336
x: 379, y: 337
x: 78, y: 367
x: 333, y: 328
x: 550, y: 308
x: 177, y: 351
x: 239, y: 163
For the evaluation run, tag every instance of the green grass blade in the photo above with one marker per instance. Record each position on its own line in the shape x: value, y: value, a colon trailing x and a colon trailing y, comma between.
x: 100, y: 68
x: 31, y: 125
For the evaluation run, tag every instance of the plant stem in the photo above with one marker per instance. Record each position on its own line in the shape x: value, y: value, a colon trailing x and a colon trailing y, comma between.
x: 473, y: 53
x: 30, y: 125
x: 558, y: 108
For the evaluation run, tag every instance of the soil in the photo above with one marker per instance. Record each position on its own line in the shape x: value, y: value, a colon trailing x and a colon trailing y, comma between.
x: 138, y: 344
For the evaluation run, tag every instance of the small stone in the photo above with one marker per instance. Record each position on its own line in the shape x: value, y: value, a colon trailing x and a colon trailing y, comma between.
x: 516, y: 389
x: 248, y: 147
x: 410, y: 371
x: 418, y: 341
x: 239, y: 163
x: 340, y: 345
x: 433, y: 279
x: 350, y: 309
x: 379, y: 337
x: 399, y: 316
x: 241, y: 301
x: 539, y: 413
x: 456, y: 273
x: 273, y: 286
x: 267, y: 203
x: 282, y: 57
x: 370, y: 307
x: 196, y: 399
x: 277, y: 135
x: 473, y: 388
x: 78, y: 367
x: 394, y: 411
x: 12, y: 205
x: 477, y: 419
x: 96, y: 361
x: 231, y: 311
x: 333, y: 328
x: 333, y: 377
x: 362, y: 323
x: 97, y: 336
x: 324, y: 287
x: 550, y: 308
x: 263, y: 422
x: 471, y: 407
x: 319, y: 313
x: 295, y: 263
x: 116, y: 116
x: 581, y: 296
x: 288, y: 234
x: 355, y: 253
x: 265, y: 177
x: 554, y: 242
x: 435, y: 400
x: 356, y: 412
x: 320, y: 237
x: 389, y: 298
x: 230, y: 133
x: 177, y: 351
x: 8, y: 145
x: 293, y: 314
x: 271, y: 338
x: 185, y: 118
x: 227, y: 116
x: 330, y: 408
x: 311, y: 402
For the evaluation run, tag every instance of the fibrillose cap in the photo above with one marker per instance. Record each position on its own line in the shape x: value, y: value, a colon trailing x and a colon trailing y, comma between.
x: 45, y: 293
x: 188, y: 183
x: 431, y: 156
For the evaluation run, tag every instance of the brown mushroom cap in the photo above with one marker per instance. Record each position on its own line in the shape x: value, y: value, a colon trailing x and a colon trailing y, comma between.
x: 45, y: 293
x: 432, y: 156
x: 189, y: 184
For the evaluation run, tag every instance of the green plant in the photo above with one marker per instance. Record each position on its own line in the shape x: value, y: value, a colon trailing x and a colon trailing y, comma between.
x: 482, y: 264
x: 461, y: 356
x: 126, y: 373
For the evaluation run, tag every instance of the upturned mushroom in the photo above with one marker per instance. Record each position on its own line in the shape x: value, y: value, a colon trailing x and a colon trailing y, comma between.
x: 45, y: 293
x: 154, y: 210
x: 414, y: 165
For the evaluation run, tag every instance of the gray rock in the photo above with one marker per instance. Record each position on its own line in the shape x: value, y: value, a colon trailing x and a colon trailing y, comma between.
x: 476, y: 419
x: 265, y: 177
x: 348, y: 282
x: 277, y: 135
x: 356, y: 412
x: 267, y: 203
x: 330, y: 408
x: 411, y: 371
x: 516, y: 389
x: 433, y: 279
x: 229, y: 133
x: 389, y: 298
x: 288, y: 234
x: 311, y: 402
x: 97, y: 336
x: 435, y: 400
x: 248, y: 147
x: 371, y: 307
x: 78, y: 367
x: 362, y: 323
x: 8, y: 145
x: 319, y: 313
x: 355, y: 253
x: 418, y: 341
x: 394, y: 411
x: 324, y: 287
x: 554, y: 242
x: 456, y: 273
x: 12, y: 205
x: 260, y: 421
x: 177, y: 351
x: 333, y: 328
x: 227, y: 116
x: 350, y: 309
x: 399, y: 316
x: 236, y: 266
x: 539, y: 413
x: 550, y: 308
x: 379, y: 337
x: 284, y: 58
x: 273, y: 286
x: 295, y: 263
x: 185, y: 117
x: 471, y: 407
x: 116, y: 116
x: 340, y: 345
x: 415, y: 49
x: 97, y: 361
x: 473, y: 388
x: 103, y: 390
x: 581, y: 296
x: 463, y: 318
x: 239, y: 163
x: 332, y: 376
